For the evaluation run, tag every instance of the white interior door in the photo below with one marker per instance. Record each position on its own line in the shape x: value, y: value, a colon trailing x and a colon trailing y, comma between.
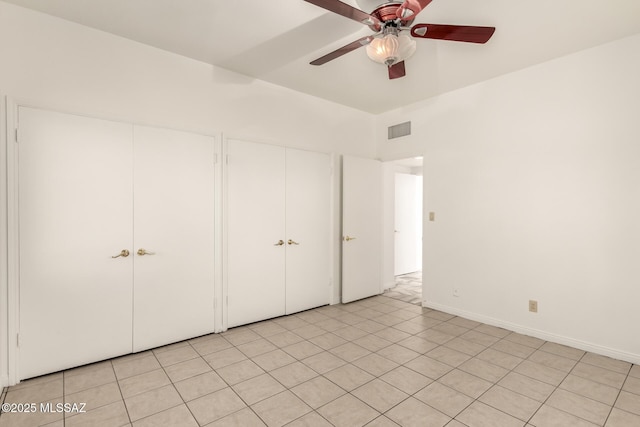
x: 255, y: 220
x: 408, y: 227
x: 361, y: 228
x: 174, y: 225
x: 75, y: 204
x: 308, y: 229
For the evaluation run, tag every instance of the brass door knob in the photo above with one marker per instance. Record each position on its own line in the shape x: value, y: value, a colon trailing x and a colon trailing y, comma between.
x: 143, y: 251
x: 123, y: 253
x: 280, y: 243
x: 291, y: 242
x: 348, y: 238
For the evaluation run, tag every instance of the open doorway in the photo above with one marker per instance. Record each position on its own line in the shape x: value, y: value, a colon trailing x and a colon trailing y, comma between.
x: 404, y: 229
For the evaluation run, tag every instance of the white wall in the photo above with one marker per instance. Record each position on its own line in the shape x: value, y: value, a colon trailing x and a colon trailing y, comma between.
x: 55, y: 64
x: 534, y: 179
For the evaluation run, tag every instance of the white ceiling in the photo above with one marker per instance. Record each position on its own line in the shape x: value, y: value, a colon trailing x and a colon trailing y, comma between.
x: 274, y: 40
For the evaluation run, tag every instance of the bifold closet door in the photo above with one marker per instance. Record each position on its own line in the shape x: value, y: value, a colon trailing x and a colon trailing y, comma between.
x: 307, y: 227
x: 75, y: 207
x: 173, y: 246
x: 255, y: 220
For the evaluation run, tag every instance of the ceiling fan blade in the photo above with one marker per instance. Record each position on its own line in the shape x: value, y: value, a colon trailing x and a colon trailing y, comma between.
x: 410, y: 8
x: 396, y: 70
x: 343, y: 50
x: 348, y: 11
x: 458, y: 33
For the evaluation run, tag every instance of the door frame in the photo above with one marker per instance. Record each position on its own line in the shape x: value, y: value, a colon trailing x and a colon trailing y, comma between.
x: 10, y: 284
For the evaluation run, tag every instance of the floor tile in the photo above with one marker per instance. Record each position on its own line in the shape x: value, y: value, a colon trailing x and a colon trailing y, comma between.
x: 502, y: 359
x: 151, y: 402
x: 525, y: 340
x: 200, y: 385
x: 465, y: 383
x: 284, y: 339
x: 281, y: 409
x: 380, y: 395
x: 398, y: 353
x: 238, y: 372
x: 480, y: 415
x: 632, y: 385
x: 327, y: 341
x: 88, y: 378
x: 548, y: 416
x: 372, y: 342
x: 258, y: 388
x: 375, y: 364
x: 114, y: 414
x: 406, y: 379
x: 554, y: 361
x: 215, y: 344
x: 214, y: 406
x: 563, y: 350
x: 382, y: 421
x: 187, y: 369
x: 294, y: 374
x: 628, y: 402
x: 96, y: 397
x: 240, y: 335
x: 579, y: 406
x: 136, y: 366
x: 464, y: 346
x: 225, y: 357
x: 323, y: 362
x: 349, y: 377
x: 510, y: 402
x: 37, y: 418
x: 444, y: 399
x: 349, y: 352
x: 144, y: 382
x: 317, y: 392
x: 607, y: 363
x: 37, y: 393
x: 513, y: 348
x: 485, y: 370
x: 597, y: 374
x: 176, y: 355
x: 591, y: 389
x: 302, y: 350
x: 413, y: 413
x: 448, y: 356
x: 273, y: 360
x: 257, y: 347
x: 179, y: 416
x: 418, y: 344
x: 348, y: 411
x: 529, y: 387
x: 619, y: 418
x: 428, y: 367
x: 242, y: 418
x: 540, y: 372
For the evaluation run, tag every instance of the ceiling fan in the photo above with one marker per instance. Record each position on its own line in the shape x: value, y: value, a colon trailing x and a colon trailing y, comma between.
x: 391, y: 21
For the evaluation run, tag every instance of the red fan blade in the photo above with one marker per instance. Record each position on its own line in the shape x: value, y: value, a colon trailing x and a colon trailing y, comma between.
x: 396, y: 70
x: 347, y: 11
x: 343, y: 50
x: 410, y: 8
x: 458, y: 33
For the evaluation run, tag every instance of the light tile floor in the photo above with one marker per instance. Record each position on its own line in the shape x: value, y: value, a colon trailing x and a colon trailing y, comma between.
x: 376, y: 362
x: 408, y: 288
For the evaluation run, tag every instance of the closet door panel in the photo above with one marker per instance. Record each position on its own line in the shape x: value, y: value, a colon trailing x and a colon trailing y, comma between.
x: 255, y: 218
x: 174, y: 225
x: 75, y: 207
x: 307, y: 222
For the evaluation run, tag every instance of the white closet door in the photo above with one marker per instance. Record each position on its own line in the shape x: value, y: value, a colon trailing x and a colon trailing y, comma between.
x: 255, y: 218
x: 174, y: 224
x: 75, y: 209
x: 361, y: 228
x: 307, y: 222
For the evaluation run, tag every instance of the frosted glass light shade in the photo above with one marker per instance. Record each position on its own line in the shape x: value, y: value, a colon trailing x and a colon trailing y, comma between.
x: 391, y: 48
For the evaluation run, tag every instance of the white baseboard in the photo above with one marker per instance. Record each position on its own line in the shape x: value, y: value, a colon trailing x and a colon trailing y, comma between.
x: 547, y: 336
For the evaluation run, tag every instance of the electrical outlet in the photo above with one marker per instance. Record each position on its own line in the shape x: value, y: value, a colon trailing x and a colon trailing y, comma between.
x: 533, y: 306
x: 456, y: 292
x: 432, y: 216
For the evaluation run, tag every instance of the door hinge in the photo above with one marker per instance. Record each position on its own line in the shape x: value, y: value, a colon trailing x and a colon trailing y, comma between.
x: 226, y: 159
x: 17, y: 138
x: 18, y: 340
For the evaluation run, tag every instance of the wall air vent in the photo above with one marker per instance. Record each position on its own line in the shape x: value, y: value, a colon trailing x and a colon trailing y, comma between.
x: 402, y: 129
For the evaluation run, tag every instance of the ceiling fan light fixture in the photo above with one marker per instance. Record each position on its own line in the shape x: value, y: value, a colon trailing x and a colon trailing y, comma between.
x: 391, y: 48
